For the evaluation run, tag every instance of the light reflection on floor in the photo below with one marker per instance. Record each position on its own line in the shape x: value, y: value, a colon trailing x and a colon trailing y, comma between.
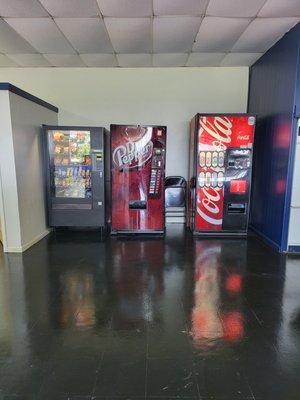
x: 149, y: 318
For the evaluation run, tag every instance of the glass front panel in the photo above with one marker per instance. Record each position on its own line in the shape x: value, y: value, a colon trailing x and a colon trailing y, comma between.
x: 71, y: 163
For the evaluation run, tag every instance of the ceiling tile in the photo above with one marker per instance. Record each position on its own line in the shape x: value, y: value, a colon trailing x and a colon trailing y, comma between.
x: 170, y: 59
x: 87, y: 35
x: 64, y: 60
x: 219, y: 34
x: 234, y: 8
x: 205, y: 59
x: 18, y: 8
x: 134, y: 60
x: 130, y: 35
x: 174, y: 34
x: 6, y: 62
x: 11, y: 42
x: 240, y: 59
x: 262, y: 33
x: 99, y: 60
x: 42, y: 34
x: 30, y: 60
x: 125, y: 8
x: 71, y: 8
x: 179, y: 7
x: 280, y: 8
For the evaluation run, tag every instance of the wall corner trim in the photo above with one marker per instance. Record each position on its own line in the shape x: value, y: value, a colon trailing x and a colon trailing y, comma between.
x: 14, y: 89
x: 24, y: 247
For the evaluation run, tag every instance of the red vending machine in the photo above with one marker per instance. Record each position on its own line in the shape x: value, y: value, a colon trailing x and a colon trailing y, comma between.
x: 220, y: 173
x: 137, y: 178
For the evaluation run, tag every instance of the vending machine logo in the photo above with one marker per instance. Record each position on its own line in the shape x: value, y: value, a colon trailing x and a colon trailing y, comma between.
x: 243, y: 138
x: 131, y: 154
x: 215, y: 135
x: 136, y: 150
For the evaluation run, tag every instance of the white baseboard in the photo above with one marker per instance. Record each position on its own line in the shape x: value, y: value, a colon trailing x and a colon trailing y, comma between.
x: 24, y: 247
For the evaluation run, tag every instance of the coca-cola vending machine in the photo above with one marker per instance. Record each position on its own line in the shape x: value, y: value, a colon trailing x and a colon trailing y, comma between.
x: 137, y: 178
x: 220, y: 173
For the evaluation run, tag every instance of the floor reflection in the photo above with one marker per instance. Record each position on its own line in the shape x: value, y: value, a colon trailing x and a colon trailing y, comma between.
x: 149, y: 317
x: 137, y: 276
x: 78, y: 296
x: 217, y: 315
x: 206, y: 321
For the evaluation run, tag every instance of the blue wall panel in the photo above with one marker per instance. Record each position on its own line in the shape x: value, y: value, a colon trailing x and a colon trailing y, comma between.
x: 272, y: 97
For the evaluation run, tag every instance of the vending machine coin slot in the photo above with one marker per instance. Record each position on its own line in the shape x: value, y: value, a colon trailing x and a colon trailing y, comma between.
x: 97, y: 160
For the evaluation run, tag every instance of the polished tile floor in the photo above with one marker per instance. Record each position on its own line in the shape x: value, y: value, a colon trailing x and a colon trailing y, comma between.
x: 149, y: 318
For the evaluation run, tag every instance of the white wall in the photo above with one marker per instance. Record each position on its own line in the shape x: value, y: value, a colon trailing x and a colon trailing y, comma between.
x: 167, y: 96
x: 27, y: 118
x: 22, y: 203
x: 9, y: 207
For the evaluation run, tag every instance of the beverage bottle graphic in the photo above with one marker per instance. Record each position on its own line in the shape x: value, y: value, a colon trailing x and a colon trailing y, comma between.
x: 214, y: 162
x: 208, y: 179
x: 214, y: 179
x: 202, y: 179
x: 208, y: 159
x: 221, y: 159
x: 220, y: 179
x: 202, y: 158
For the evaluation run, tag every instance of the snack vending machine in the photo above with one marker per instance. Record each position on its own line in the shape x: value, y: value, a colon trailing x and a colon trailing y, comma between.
x: 137, y: 178
x: 76, y: 179
x: 220, y: 173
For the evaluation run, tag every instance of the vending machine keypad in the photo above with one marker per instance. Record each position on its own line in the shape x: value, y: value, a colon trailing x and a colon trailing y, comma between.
x: 157, y: 166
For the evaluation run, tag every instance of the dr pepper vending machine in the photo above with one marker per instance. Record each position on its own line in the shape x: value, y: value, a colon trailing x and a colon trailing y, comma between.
x: 220, y: 173
x: 76, y: 180
x: 137, y: 178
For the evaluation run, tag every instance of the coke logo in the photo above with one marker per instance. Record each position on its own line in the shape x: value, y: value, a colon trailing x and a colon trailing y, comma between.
x: 131, y: 155
x: 243, y: 137
x: 210, y: 204
x: 220, y: 130
x: 215, y: 134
